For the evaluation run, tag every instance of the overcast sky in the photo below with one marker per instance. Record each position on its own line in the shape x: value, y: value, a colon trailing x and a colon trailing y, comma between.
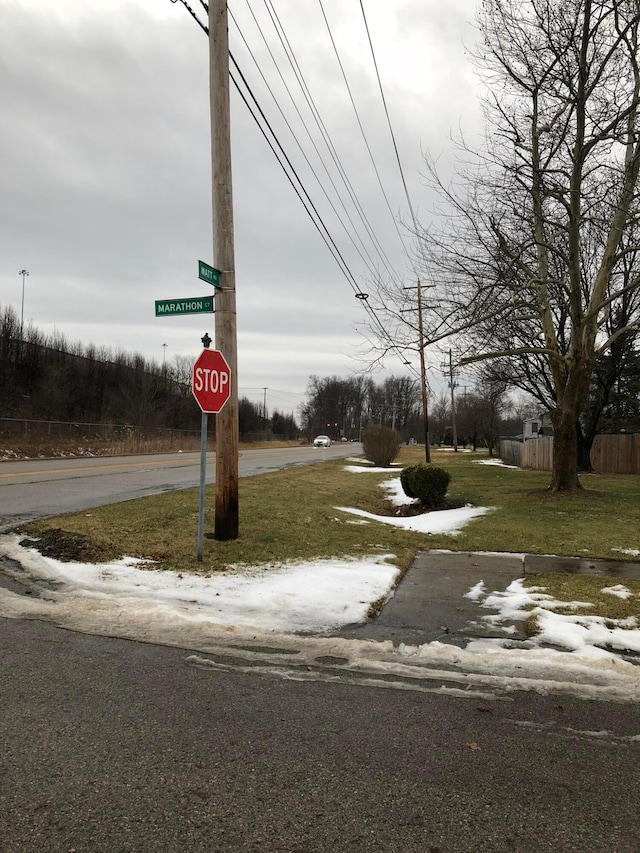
x: 105, y: 179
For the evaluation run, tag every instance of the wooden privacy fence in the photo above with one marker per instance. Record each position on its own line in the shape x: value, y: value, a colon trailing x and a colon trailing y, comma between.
x: 510, y: 451
x: 616, y: 454
x: 610, y: 454
x: 539, y: 455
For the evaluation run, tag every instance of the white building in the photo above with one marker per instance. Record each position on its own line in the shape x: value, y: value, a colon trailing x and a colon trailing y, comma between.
x: 538, y: 425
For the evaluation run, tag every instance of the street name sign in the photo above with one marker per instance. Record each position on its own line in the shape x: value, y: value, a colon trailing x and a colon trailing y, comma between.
x: 209, y: 273
x: 189, y: 305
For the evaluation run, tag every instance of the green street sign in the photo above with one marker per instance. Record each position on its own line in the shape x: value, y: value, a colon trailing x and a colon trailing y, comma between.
x: 210, y: 274
x: 190, y: 305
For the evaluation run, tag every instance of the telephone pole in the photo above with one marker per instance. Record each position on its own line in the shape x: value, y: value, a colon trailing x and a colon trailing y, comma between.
x: 423, y: 372
x: 454, y: 431
x: 226, y: 508
x: 423, y: 377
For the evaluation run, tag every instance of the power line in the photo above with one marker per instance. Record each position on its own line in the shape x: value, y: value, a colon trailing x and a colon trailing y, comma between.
x: 300, y: 190
x: 302, y: 151
x: 326, y: 136
x: 384, y: 102
x: 290, y: 53
x: 360, y: 125
x: 318, y: 222
x: 316, y: 218
x: 300, y: 77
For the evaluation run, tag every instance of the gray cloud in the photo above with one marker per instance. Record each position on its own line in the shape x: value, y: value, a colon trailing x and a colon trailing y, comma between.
x: 105, y: 183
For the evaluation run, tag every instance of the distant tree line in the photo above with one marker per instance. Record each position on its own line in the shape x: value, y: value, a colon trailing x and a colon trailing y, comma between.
x: 342, y: 407
x: 44, y: 377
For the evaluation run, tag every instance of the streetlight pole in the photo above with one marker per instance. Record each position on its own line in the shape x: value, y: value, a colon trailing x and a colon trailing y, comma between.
x: 23, y: 273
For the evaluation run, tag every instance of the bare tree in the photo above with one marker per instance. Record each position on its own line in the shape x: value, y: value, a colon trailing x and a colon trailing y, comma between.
x: 530, y: 372
x: 180, y: 372
x: 440, y: 418
x: 538, y: 249
x: 333, y: 405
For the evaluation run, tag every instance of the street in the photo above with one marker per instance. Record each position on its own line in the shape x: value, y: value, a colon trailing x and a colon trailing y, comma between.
x: 117, y: 745
x: 35, y: 488
x: 112, y: 745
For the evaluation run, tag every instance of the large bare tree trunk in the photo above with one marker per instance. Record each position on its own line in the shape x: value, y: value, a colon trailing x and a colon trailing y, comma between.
x: 564, y: 476
x: 585, y: 443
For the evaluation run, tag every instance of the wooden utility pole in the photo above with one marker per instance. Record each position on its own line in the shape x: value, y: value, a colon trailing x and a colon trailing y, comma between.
x: 454, y: 430
x: 226, y: 518
x: 423, y: 377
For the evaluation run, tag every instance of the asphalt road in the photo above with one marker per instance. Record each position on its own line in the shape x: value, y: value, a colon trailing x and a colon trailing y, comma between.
x: 119, y: 746
x: 111, y: 746
x: 36, y: 488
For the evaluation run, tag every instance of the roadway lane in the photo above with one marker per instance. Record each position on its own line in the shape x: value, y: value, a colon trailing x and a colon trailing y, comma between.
x: 113, y: 746
x: 38, y: 488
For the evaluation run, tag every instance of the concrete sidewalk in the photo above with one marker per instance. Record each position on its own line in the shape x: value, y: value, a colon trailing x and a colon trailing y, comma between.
x: 429, y: 602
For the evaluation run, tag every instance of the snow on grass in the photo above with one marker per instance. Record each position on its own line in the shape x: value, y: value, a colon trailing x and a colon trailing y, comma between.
x: 570, y: 631
x: 497, y: 462
x: 315, y: 596
x: 395, y: 493
x: 632, y: 552
x: 449, y: 521
x: 319, y: 596
x: 248, y: 615
x: 619, y: 590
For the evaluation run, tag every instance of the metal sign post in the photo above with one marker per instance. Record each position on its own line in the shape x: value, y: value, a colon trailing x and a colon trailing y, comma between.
x: 211, y: 386
x: 203, y: 476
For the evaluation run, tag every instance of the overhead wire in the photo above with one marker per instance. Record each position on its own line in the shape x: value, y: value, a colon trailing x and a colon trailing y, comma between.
x: 386, y: 111
x: 319, y: 223
x: 368, y: 260
x: 300, y: 190
x: 386, y: 336
x: 308, y: 204
x: 360, y: 125
x: 324, y: 132
x: 326, y: 136
x: 393, y: 139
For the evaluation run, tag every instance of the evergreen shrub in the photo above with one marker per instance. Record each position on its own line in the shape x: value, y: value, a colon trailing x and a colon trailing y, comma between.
x: 426, y: 483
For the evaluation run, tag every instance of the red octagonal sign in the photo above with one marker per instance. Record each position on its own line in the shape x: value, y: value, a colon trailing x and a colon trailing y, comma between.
x: 211, y: 381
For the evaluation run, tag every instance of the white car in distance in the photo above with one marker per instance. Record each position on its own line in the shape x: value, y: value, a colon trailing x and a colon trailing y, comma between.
x: 322, y: 441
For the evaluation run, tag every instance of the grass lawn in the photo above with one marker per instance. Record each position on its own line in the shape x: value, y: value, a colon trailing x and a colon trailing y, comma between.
x: 290, y: 515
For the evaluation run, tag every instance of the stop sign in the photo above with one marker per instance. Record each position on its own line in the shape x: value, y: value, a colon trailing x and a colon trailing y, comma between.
x: 211, y: 382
